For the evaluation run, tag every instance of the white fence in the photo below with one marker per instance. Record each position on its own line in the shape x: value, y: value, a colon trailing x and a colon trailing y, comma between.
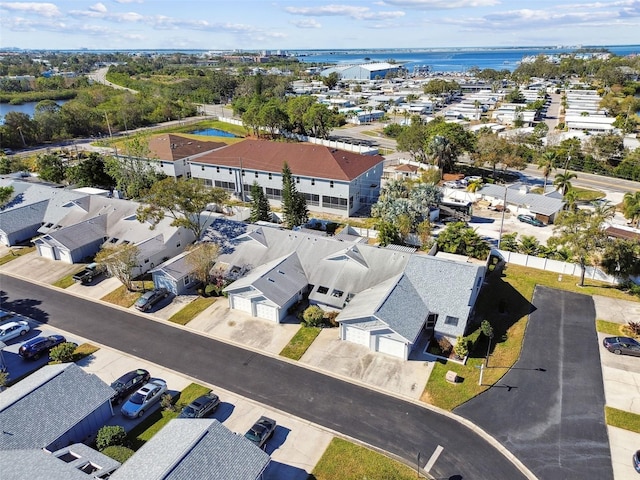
x: 361, y: 149
x: 562, y: 268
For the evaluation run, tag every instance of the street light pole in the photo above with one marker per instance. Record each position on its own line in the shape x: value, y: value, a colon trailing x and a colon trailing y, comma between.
x: 504, y: 209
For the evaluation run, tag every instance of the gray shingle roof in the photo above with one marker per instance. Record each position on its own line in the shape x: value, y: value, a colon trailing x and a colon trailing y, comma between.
x: 15, y: 219
x: 536, y: 203
x: 56, y: 397
x: 202, y: 449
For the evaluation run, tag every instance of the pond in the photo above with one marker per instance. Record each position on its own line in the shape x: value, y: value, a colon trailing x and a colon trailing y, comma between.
x: 213, y: 132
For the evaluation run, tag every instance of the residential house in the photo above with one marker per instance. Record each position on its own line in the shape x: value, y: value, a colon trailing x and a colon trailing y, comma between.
x: 52, y: 408
x: 431, y: 296
x: 32, y: 207
x: 176, y: 275
x: 332, y: 181
x: 201, y: 449
x: 170, y: 153
x: 544, y: 207
x: 75, y: 462
x: 92, y: 221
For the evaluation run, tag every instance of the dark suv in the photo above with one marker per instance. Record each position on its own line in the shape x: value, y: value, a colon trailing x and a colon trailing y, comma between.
x: 129, y: 383
x: 33, y: 349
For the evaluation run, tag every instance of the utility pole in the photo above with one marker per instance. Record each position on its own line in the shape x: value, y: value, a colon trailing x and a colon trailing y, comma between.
x: 108, y: 124
x: 504, y: 209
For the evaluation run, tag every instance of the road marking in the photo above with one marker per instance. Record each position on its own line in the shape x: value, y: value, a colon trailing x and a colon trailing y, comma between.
x: 433, y: 458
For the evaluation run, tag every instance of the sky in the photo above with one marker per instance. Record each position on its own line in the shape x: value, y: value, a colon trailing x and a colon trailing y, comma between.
x: 309, y: 24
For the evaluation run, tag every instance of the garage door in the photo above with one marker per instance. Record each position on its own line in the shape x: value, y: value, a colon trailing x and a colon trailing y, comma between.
x: 47, y: 252
x: 355, y: 335
x: 242, y: 304
x: 391, y: 347
x: 266, y: 311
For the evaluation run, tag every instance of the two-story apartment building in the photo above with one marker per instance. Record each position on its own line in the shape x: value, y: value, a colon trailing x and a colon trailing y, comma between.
x: 332, y: 181
x: 171, y: 153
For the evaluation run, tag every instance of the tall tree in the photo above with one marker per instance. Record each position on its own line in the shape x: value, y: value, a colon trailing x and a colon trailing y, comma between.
x: 5, y: 194
x: 260, y: 209
x: 183, y: 200
x: 463, y: 240
x: 631, y: 207
x: 51, y: 167
x: 90, y: 172
x: 201, y: 258
x: 621, y: 258
x: 120, y: 261
x: 581, y: 232
x: 547, y: 163
x: 562, y: 181
x: 294, y: 204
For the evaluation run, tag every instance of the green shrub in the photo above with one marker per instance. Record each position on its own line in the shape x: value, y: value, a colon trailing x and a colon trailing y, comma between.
x: 461, y: 348
x: 118, y: 453
x: 63, y: 353
x: 313, y: 316
x: 109, y: 436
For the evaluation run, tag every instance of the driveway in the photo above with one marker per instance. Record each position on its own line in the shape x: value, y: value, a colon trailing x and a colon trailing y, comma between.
x: 548, y: 410
x: 39, y: 268
x: 377, y: 370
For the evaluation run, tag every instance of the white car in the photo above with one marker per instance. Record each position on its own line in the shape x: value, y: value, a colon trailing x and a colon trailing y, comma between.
x: 11, y: 330
x: 144, y: 398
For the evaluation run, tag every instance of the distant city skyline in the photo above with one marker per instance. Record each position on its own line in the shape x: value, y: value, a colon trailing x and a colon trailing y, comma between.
x: 307, y: 24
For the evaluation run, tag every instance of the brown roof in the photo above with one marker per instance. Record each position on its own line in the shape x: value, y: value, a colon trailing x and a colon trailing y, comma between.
x: 174, y: 147
x: 407, y: 168
x: 622, y: 233
x: 304, y: 159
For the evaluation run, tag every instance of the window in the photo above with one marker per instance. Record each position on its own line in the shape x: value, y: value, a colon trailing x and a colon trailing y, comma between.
x: 334, y: 202
x: 331, y: 184
x: 113, y: 240
x: 255, y: 174
x: 242, y: 172
x: 337, y: 293
x: 323, y: 290
x: 187, y: 280
x: 229, y: 186
x: 270, y: 177
x: 230, y: 171
x: 297, y: 179
x: 202, y: 168
x: 451, y: 321
x: 217, y: 169
x: 312, y: 199
x: 313, y: 181
x: 273, y: 193
x: 207, y: 182
x: 146, y: 260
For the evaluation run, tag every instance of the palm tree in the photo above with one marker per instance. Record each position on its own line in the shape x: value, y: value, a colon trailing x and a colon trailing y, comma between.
x: 605, y: 210
x: 631, y: 207
x: 547, y: 163
x: 440, y: 150
x: 562, y: 181
x: 474, y: 185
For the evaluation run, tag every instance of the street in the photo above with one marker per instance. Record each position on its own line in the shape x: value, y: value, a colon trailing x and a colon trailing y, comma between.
x: 406, y: 429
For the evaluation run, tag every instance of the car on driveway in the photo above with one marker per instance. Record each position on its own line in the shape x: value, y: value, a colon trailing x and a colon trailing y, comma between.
x: 148, y: 299
x: 36, y: 347
x: 622, y: 346
x: 129, y: 383
x: 636, y: 461
x: 144, y: 398
x: 201, y: 406
x: 530, y: 220
x: 260, y: 432
x: 11, y: 330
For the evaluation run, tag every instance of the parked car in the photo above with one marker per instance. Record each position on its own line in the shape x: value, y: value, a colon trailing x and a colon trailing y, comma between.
x: 148, y: 299
x: 201, y: 406
x: 6, y: 316
x: 622, y: 346
x: 91, y: 271
x: 144, y: 398
x: 35, y: 348
x: 11, y: 330
x: 530, y: 220
x: 129, y: 383
x: 636, y: 461
x: 260, y: 432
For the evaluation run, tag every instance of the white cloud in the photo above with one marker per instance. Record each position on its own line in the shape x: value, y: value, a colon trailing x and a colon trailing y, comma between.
x: 306, y: 23
x: 441, y: 4
x: 48, y: 10
x: 357, y: 13
x: 98, y: 7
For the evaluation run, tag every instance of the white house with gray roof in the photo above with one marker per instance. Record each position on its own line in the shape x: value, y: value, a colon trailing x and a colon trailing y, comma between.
x: 430, y: 295
x: 202, y: 449
x: 52, y: 408
x: 518, y: 199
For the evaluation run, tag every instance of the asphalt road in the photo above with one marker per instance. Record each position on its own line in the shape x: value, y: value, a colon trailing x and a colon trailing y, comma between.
x: 401, y: 428
x: 549, y: 408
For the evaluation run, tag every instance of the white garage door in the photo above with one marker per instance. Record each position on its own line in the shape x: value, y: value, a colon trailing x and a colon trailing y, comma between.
x: 266, y: 311
x: 242, y: 304
x: 46, y: 252
x: 391, y: 347
x: 355, y: 335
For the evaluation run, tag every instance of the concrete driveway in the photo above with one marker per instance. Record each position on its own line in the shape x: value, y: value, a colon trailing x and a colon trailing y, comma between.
x: 377, y: 370
x: 35, y: 267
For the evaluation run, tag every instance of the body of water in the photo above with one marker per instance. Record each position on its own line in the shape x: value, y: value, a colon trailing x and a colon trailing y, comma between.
x: 446, y: 60
x: 28, y: 108
x: 213, y: 132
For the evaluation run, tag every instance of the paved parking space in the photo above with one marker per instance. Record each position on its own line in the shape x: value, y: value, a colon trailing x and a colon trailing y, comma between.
x: 38, y: 268
x: 97, y: 289
x: 621, y: 376
x: 346, y: 359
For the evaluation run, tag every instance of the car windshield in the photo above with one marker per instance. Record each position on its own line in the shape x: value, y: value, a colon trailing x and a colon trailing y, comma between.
x: 189, y: 412
x: 253, y: 435
x: 137, y: 398
x: 117, y: 385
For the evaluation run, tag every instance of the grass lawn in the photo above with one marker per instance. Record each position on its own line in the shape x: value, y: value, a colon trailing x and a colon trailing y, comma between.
x: 189, y: 312
x: 84, y: 350
x: 15, y: 253
x: 610, y: 328
x: 588, y: 195
x: 153, y: 422
x: 514, y: 291
x: 123, y: 297
x: 300, y: 342
x: 621, y: 419
x: 346, y: 461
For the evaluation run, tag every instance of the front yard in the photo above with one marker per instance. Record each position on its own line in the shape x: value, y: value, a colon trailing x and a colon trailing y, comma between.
x: 505, y: 302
